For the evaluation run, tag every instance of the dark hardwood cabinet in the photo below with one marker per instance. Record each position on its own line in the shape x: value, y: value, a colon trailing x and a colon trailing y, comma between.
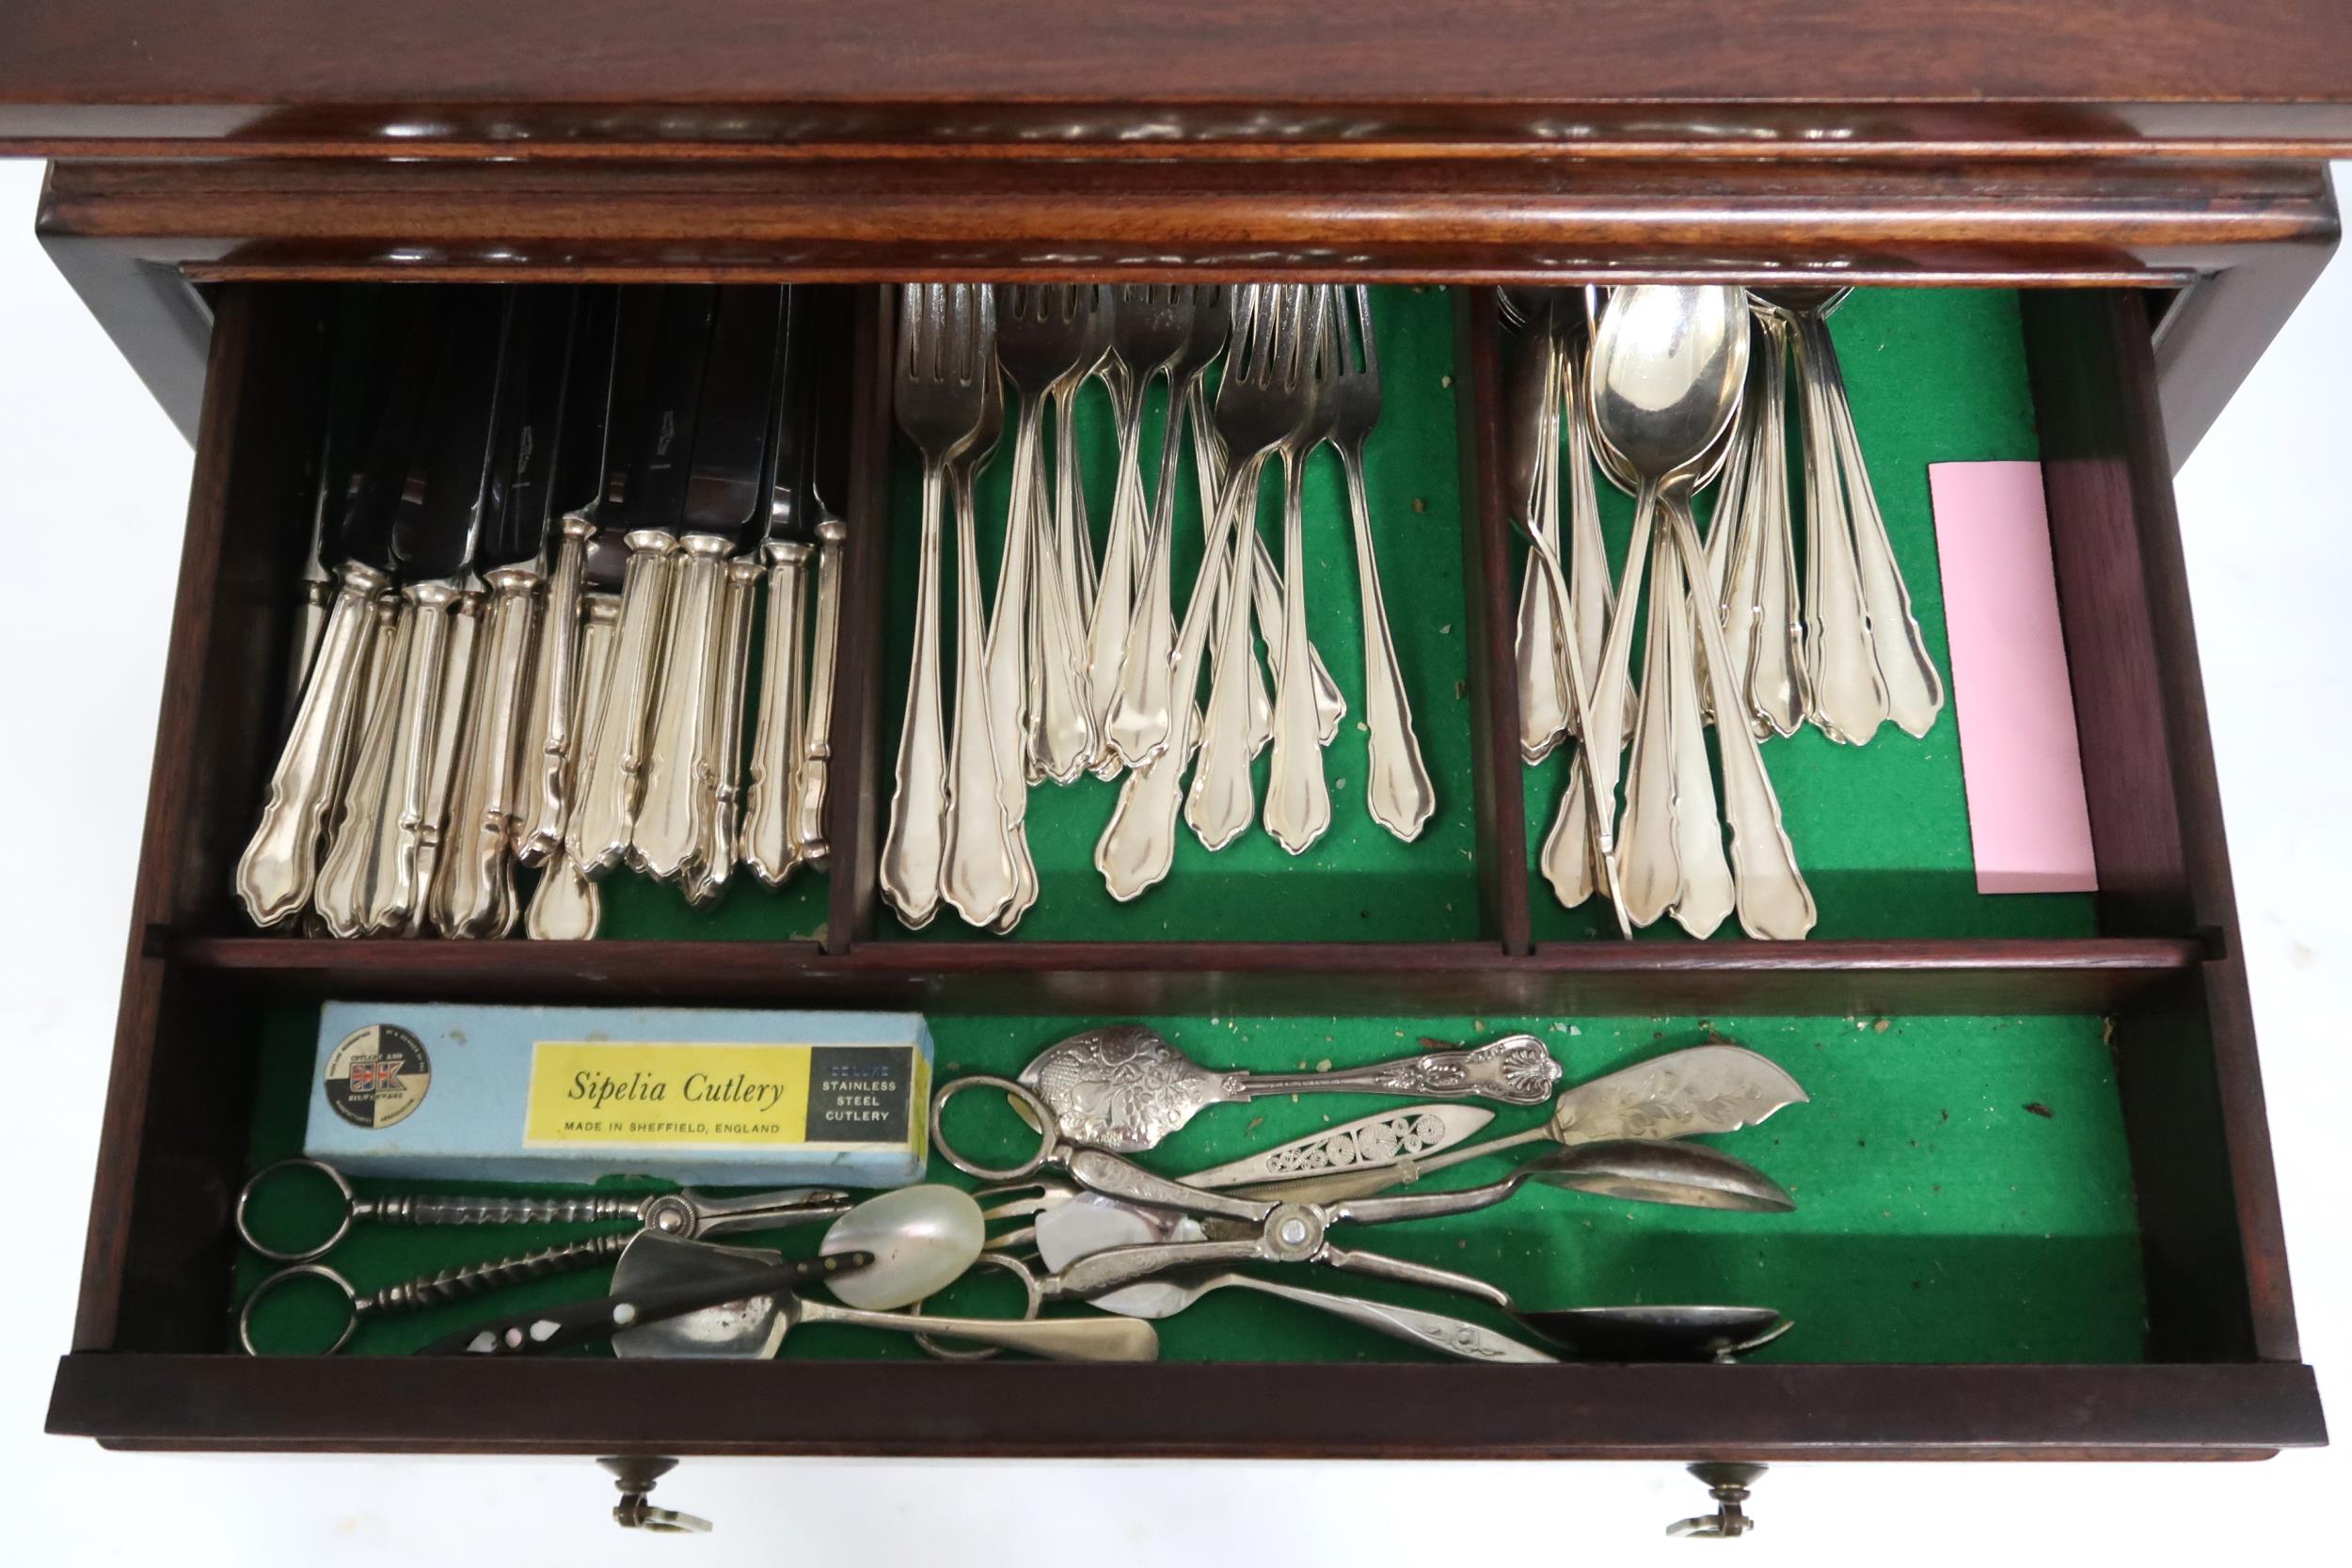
x: 2149, y: 175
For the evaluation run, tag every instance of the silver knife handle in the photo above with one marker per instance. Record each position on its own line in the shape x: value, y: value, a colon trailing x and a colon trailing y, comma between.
x: 314, y: 606
x: 810, y: 770
x: 602, y: 815
x: 1099, y: 1170
x: 278, y: 869
x: 453, y: 717
x: 767, y: 846
x: 1377, y: 1265
x: 719, y: 775
x: 1114, y: 1267
x: 566, y: 906
x: 549, y: 733
x: 1456, y: 1336
x: 1517, y: 1069
x: 669, y: 827
x: 394, y: 894
x: 476, y: 895
x: 343, y: 880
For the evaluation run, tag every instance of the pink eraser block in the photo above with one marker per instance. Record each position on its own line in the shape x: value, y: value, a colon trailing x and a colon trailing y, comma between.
x: 2019, y: 754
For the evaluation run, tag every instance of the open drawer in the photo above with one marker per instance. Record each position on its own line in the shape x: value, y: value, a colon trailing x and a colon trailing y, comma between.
x: 2035, y: 1215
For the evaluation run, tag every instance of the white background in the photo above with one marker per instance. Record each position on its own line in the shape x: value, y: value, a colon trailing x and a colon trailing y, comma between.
x: 93, y: 484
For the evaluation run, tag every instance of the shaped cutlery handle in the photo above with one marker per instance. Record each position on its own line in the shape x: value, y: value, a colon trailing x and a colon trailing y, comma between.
x: 768, y: 842
x: 278, y: 869
x: 566, y: 906
x: 452, y: 720
x: 669, y: 828
x: 915, y: 844
x: 345, y: 882
x: 1455, y: 1336
x: 976, y: 873
x: 1517, y: 1069
x: 1297, y: 797
x: 1113, y: 1267
x: 1773, y: 900
x: 1398, y: 794
x: 1095, y: 1338
x: 1100, y: 1171
x: 1849, y: 695
x: 612, y: 762
x: 720, y: 773
x: 812, y: 768
x: 1379, y: 1266
x: 395, y: 892
x: 550, y: 735
x: 590, y: 1323
x: 476, y: 895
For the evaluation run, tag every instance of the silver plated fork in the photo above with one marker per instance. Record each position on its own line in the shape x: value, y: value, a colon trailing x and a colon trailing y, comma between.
x: 1398, y: 793
x: 1264, y: 404
x: 940, y: 396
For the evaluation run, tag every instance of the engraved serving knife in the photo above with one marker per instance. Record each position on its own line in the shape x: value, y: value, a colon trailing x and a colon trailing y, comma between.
x: 724, y: 503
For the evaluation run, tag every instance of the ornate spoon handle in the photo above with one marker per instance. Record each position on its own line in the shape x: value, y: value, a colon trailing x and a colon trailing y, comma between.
x: 1517, y: 1069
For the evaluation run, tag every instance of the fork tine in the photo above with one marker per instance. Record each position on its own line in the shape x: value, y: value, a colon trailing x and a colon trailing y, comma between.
x: 910, y: 328
x: 1371, y: 357
x: 983, y: 333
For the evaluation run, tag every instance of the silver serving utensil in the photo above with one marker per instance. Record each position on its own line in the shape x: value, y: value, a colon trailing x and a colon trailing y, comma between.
x: 1683, y: 1175
x: 1124, y: 1088
x: 1703, y: 1089
x: 1668, y: 364
x: 1386, y: 1139
x: 754, y: 1328
x: 1094, y: 1222
x: 1718, y: 1334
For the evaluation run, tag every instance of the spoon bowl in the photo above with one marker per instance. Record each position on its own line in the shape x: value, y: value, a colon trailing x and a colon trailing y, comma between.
x: 1657, y: 1333
x: 1667, y: 367
x: 922, y: 1237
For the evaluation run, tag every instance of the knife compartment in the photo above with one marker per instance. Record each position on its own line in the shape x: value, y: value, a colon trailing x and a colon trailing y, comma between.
x: 2128, y: 1298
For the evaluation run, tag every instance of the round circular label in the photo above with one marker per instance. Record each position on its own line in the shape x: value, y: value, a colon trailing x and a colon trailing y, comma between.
x: 378, y: 1076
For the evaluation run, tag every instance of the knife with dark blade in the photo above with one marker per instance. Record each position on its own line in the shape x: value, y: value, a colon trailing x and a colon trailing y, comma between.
x: 393, y: 815
x: 726, y: 500
x: 475, y: 894
x: 278, y: 873
x: 765, y: 846
x: 651, y: 507
x: 576, y: 485
x: 356, y: 386
x: 828, y: 505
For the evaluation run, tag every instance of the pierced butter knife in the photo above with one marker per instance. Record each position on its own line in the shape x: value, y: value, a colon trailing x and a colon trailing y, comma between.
x: 1385, y: 1139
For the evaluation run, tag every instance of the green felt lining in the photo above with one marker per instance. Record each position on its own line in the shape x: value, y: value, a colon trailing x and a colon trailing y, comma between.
x: 1358, y: 883
x: 1964, y: 1191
